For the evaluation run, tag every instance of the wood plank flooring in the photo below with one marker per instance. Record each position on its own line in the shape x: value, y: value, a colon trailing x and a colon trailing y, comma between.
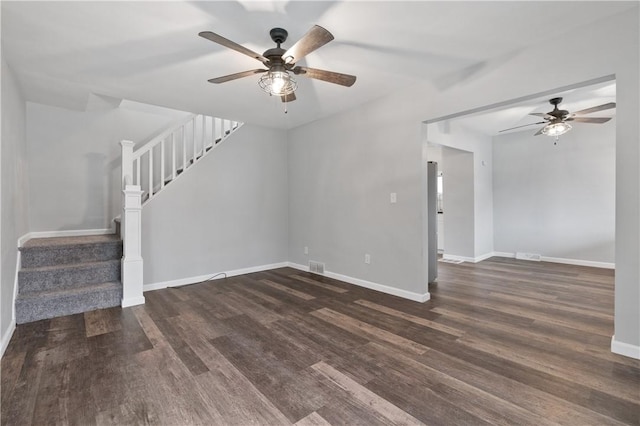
x: 501, y: 342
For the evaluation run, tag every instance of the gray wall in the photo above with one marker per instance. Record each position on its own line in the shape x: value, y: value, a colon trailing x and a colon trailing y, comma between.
x: 14, y: 206
x: 341, y: 173
x: 74, y: 163
x: 342, y: 168
x: 556, y: 200
x: 229, y: 212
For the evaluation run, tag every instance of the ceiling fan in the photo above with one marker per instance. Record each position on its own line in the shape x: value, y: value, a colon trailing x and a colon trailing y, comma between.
x: 557, y: 121
x: 279, y: 63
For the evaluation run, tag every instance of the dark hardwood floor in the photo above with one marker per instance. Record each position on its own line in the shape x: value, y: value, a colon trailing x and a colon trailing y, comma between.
x: 500, y: 342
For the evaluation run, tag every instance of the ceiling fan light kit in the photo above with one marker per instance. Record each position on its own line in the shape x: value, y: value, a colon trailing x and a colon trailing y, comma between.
x: 277, y: 79
x: 556, y: 129
x: 278, y: 83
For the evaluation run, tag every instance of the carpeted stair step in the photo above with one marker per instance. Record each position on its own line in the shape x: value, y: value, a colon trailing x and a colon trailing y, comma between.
x: 39, y: 252
x: 67, y: 276
x: 49, y: 304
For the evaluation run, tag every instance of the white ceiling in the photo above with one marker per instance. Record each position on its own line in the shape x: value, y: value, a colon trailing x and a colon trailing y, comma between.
x: 150, y: 52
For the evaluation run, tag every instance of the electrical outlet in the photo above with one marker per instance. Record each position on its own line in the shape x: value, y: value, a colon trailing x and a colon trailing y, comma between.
x: 393, y: 198
x: 306, y: 250
x: 367, y: 258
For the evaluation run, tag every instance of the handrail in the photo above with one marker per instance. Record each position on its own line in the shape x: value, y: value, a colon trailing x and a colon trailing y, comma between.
x: 169, y: 154
x: 156, y: 140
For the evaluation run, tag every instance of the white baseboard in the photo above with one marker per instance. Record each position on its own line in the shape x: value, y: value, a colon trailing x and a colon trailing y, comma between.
x: 6, y: 337
x: 15, y: 286
x: 504, y: 254
x: 416, y: 297
x: 577, y: 262
x: 211, y: 276
x: 624, y: 349
x: 12, y: 327
x: 132, y: 301
x: 483, y: 257
x: 68, y: 233
x: 476, y: 259
x: 459, y: 258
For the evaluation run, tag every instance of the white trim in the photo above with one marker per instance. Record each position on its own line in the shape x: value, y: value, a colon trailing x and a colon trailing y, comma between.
x: 456, y: 257
x: 591, y: 263
x: 468, y: 259
x: 483, y: 257
x: 578, y: 262
x: 6, y: 338
x: 416, y: 297
x: 15, y: 286
x: 504, y: 254
x: 212, y: 276
x: 68, y: 233
x: 624, y: 349
x: 132, y: 301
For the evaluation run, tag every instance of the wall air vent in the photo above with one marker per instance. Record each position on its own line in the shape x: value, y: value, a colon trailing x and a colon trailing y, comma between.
x: 316, y: 267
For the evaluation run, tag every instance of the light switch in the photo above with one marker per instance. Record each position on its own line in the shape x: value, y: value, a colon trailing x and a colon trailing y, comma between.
x: 393, y: 198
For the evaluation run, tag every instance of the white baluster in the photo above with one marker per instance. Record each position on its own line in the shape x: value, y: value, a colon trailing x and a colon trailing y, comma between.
x: 150, y: 174
x: 173, y: 156
x: 195, y: 150
x: 218, y: 128
x: 204, y: 133
x: 213, y: 132
x: 184, y: 148
x: 137, y: 182
x: 127, y: 162
x: 162, y: 159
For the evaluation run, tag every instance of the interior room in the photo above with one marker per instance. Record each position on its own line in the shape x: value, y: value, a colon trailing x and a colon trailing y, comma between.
x: 222, y: 212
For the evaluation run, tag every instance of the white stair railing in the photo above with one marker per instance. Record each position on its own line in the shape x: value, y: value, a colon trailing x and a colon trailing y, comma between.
x: 174, y: 151
x: 146, y: 171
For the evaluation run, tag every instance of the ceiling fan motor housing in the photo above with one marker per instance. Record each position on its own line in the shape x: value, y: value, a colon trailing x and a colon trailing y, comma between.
x: 559, y: 114
x: 278, y: 35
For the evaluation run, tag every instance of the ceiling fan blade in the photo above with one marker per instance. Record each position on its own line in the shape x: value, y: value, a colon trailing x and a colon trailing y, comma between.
x: 596, y: 108
x: 329, y: 76
x: 235, y: 76
x: 314, y: 38
x: 542, y: 114
x: 524, y: 125
x: 288, y: 98
x: 589, y: 119
x: 232, y: 45
x: 539, y: 132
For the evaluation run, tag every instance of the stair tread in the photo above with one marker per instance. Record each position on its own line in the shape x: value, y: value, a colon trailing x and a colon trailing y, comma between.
x: 57, y: 242
x: 89, y: 288
x: 79, y: 265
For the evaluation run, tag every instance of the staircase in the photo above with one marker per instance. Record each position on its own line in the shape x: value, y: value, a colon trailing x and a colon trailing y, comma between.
x: 68, y: 275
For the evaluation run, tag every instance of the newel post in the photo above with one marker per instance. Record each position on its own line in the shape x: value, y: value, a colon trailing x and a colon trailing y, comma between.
x: 131, y: 230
